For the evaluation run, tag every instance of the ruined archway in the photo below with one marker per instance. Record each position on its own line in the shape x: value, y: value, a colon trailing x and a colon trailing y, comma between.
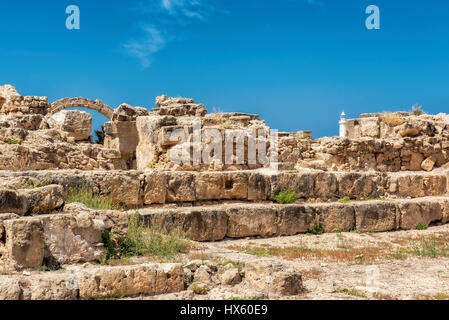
x: 81, y: 102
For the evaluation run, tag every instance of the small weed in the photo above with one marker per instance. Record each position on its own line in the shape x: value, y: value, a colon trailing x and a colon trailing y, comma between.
x: 417, y: 110
x: 351, y: 293
x: 4, y: 272
x: 144, y: 240
x: 375, y: 199
x: 317, y: 229
x: 392, y: 119
x: 345, y: 200
x: 286, y: 197
x: 14, y: 142
x: 198, y: 289
x: 234, y: 264
x: 32, y: 185
x: 421, y: 226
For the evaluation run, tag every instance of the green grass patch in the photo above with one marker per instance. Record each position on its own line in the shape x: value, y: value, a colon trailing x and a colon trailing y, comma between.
x: 351, y: 293
x: 14, y: 142
x: 143, y: 240
x: 375, y: 199
x: 286, y: 197
x: 421, y: 226
x: 345, y: 200
x: 91, y: 199
x: 317, y: 230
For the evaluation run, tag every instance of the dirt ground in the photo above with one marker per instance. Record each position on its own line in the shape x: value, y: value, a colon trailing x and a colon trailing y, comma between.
x: 354, y: 265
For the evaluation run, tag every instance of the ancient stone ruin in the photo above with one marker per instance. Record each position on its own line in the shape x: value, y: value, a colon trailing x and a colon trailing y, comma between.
x: 63, y: 198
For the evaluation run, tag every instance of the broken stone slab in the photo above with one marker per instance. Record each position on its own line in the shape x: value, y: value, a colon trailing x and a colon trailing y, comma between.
x: 72, y: 239
x: 273, y: 278
x: 53, y: 240
x: 126, y: 112
x: 72, y: 123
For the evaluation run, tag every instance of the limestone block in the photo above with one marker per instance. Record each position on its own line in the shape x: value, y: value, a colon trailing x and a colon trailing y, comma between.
x: 25, y: 242
x: 12, y: 202
x: 72, y: 239
x: 428, y: 164
x: 251, y: 221
x: 210, y: 186
x: 155, y: 190
x: 294, y: 219
x: 336, y: 217
x: 375, y: 216
x: 181, y: 187
x: 273, y: 278
x: 369, y: 127
x: 417, y: 212
x: 72, y: 123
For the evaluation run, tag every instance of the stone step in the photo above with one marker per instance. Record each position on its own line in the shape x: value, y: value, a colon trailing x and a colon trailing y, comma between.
x: 94, y: 282
x: 217, y: 222
x: 139, y: 188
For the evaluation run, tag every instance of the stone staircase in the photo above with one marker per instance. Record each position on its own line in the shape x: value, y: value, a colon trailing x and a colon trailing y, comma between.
x: 39, y: 229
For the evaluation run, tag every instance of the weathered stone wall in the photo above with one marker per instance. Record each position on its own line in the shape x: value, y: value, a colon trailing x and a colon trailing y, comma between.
x: 213, y: 223
x: 12, y: 103
x: 385, y: 155
x: 137, y: 188
x: 397, y: 125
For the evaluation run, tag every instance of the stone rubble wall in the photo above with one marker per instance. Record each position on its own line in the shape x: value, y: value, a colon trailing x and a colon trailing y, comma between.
x: 397, y: 125
x: 157, y: 145
x: 384, y: 155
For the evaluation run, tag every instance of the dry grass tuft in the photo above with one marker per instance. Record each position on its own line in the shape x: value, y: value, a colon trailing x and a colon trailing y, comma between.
x: 392, y: 119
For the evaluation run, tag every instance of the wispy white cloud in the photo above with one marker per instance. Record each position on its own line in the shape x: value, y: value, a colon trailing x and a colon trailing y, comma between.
x: 187, y: 8
x: 152, y: 42
x: 167, y: 17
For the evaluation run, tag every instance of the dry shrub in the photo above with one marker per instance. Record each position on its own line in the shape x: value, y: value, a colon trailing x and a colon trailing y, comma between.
x: 392, y: 119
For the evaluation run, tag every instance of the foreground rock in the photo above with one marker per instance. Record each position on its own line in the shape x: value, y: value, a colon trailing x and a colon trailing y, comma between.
x: 94, y: 283
x: 51, y: 240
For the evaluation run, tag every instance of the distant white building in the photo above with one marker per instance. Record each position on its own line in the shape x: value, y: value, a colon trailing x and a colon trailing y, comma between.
x: 343, y: 125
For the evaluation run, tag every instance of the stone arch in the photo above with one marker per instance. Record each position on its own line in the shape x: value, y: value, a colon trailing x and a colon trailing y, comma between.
x: 81, y: 102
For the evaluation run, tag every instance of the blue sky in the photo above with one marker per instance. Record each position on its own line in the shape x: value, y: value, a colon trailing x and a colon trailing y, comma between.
x: 297, y: 63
